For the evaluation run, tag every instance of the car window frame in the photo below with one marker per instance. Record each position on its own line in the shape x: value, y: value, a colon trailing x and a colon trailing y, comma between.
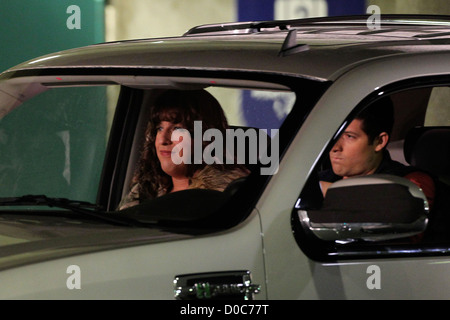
x: 328, y: 251
x: 117, y: 159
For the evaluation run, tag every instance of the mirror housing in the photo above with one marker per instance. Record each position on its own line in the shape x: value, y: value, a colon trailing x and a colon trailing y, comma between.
x: 371, y: 208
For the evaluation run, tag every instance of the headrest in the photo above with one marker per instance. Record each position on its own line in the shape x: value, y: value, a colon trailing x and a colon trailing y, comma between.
x: 428, y: 148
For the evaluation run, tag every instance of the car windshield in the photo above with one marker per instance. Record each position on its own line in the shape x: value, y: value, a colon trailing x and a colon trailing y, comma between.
x: 54, y: 144
x: 73, y: 146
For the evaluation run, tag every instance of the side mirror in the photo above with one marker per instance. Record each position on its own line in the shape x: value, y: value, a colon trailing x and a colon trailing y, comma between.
x: 371, y: 208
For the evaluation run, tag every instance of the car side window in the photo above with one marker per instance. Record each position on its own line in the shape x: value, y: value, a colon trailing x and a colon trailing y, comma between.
x: 233, y: 144
x: 335, y: 216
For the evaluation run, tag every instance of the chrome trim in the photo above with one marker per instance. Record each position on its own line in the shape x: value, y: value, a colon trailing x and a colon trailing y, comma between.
x: 213, y: 285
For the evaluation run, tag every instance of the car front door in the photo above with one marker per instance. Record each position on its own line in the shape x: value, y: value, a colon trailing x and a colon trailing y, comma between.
x: 301, y: 262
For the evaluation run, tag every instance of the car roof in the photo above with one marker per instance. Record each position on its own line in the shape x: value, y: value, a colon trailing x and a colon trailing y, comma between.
x: 319, y: 48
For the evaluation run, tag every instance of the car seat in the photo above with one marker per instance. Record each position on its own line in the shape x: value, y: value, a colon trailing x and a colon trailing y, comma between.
x: 428, y: 149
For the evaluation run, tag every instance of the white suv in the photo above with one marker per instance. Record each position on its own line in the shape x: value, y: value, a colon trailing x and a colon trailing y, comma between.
x: 71, y: 132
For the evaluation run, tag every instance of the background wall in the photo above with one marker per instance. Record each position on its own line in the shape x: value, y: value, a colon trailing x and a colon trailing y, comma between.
x: 30, y: 28
x: 134, y: 19
x: 412, y: 6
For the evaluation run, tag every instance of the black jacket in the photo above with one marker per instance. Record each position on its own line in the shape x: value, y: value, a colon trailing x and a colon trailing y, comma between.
x: 387, y: 166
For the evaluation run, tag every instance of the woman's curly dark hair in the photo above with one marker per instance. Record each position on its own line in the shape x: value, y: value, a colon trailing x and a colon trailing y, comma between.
x: 175, y: 106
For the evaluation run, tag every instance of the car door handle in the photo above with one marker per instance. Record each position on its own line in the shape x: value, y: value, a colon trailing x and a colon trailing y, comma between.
x: 234, y: 285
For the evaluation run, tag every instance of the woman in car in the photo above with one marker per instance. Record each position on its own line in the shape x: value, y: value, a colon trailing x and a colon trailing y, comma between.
x: 158, y: 174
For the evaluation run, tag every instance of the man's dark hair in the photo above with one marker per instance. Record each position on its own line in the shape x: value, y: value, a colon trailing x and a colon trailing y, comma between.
x: 377, y: 118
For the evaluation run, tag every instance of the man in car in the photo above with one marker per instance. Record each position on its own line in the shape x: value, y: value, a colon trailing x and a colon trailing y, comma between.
x: 361, y: 150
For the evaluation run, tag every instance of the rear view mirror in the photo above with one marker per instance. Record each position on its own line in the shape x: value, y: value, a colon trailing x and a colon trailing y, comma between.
x: 371, y: 208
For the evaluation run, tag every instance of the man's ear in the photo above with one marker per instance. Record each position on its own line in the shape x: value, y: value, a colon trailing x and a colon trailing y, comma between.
x: 381, y: 141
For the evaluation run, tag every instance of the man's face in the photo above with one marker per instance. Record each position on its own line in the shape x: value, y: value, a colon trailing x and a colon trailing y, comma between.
x: 353, y: 155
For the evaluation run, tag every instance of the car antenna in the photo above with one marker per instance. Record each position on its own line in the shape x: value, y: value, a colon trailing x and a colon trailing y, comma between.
x: 290, y: 45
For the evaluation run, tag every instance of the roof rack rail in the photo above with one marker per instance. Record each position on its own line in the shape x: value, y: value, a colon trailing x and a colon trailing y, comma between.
x: 279, y: 25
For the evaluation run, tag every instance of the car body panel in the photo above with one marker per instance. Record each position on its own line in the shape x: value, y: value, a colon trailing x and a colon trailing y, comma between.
x: 32, y: 239
x: 145, y: 258
x: 275, y: 205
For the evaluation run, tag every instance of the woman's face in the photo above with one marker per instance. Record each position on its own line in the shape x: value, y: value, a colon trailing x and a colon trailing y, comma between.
x: 165, y: 132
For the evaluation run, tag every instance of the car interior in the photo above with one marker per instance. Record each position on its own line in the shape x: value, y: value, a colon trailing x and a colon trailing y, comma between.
x: 426, y: 146
x: 164, y: 207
